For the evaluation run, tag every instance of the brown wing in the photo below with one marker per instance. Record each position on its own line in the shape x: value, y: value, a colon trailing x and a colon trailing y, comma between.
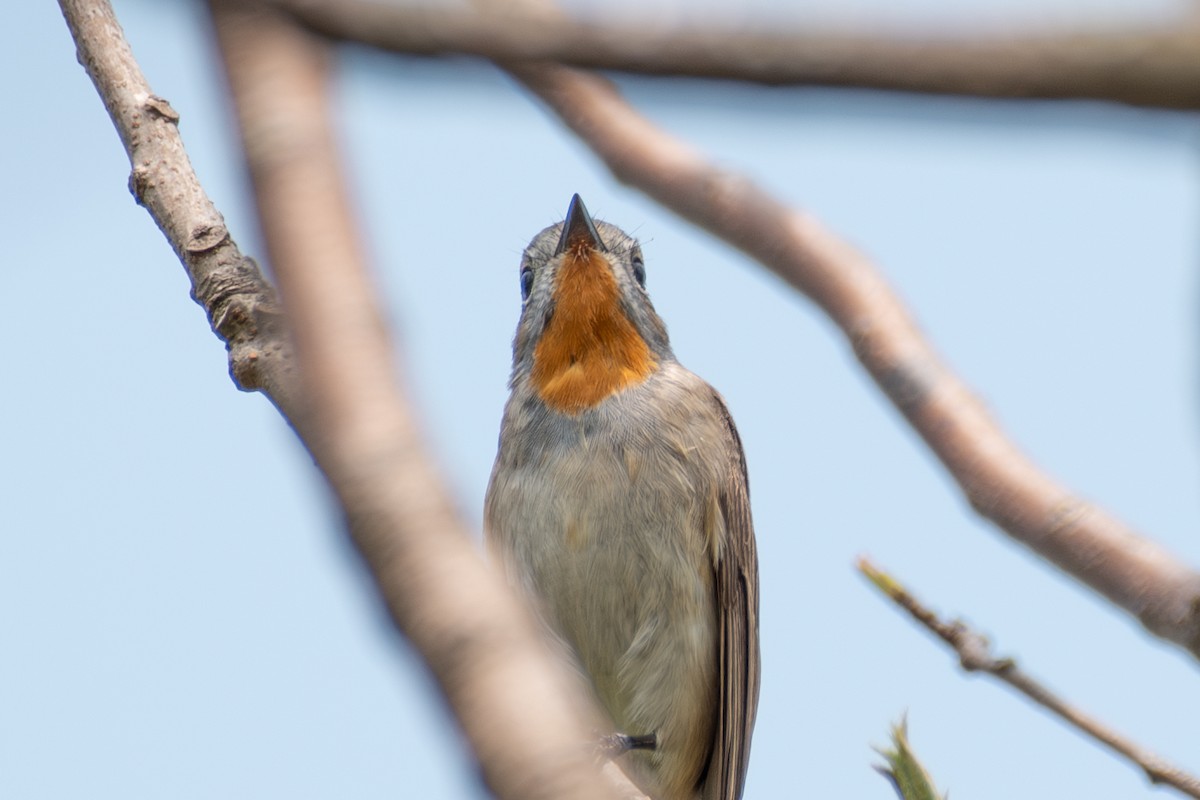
x: 737, y: 619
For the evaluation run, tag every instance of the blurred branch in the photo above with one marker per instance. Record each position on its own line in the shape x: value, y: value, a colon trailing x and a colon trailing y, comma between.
x: 998, y: 479
x: 332, y: 376
x: 1158, y: 66
x: 974, y: 653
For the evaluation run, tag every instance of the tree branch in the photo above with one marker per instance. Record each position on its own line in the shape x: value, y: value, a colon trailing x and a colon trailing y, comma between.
x: 332, y: 376
x: 1157, y: 66
x: 974, y: 653
x: 1000, y: 482
x: 241, y: 305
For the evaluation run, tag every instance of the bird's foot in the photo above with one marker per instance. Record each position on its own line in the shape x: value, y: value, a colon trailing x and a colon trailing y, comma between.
x: 612, y: 745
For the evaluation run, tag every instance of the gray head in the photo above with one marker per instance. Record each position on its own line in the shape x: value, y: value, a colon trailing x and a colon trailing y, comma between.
x: 586, y: 317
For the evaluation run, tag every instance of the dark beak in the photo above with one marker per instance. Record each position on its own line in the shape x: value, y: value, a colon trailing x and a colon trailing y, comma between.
x: 579, y: 229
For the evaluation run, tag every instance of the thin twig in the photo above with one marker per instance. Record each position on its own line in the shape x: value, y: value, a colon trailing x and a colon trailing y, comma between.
x: 974, y: 653
x: 999, y: 480
x: 517, y: 707
x: 1158, y: 66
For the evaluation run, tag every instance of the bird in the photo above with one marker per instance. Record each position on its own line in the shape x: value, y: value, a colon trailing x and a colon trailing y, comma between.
x: 619, y: 507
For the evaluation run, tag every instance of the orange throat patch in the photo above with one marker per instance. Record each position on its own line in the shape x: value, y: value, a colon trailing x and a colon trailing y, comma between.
x: 589, y: 349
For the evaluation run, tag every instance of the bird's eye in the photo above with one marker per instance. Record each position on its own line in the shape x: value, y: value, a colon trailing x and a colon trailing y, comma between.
x: 639, y: 271
x: 526, y: 282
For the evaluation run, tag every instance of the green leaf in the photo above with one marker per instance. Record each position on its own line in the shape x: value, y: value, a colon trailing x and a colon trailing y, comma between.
x: 908, y: 777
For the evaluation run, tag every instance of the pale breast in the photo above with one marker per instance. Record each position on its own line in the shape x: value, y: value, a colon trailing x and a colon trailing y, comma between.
x: 610, y: 520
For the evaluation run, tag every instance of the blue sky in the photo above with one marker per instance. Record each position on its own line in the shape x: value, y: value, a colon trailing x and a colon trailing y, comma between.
x: 181, y: 616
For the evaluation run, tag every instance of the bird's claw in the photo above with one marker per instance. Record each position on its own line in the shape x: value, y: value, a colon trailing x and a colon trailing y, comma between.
x: 611, y: 745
